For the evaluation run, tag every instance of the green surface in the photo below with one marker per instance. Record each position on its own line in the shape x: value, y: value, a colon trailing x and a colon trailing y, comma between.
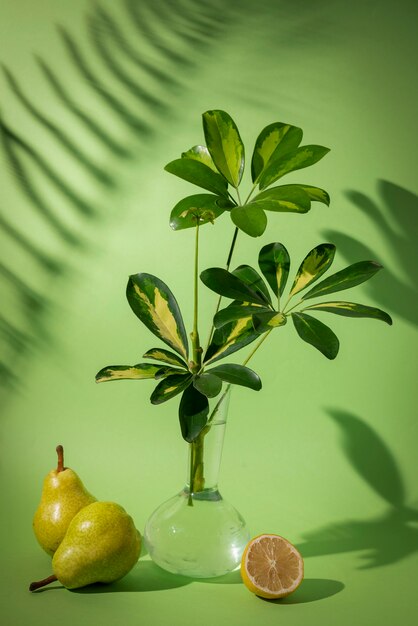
x: 325, y: 454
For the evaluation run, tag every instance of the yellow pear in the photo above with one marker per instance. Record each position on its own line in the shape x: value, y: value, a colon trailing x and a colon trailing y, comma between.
x: 63, y: 495
x: 101, y: 545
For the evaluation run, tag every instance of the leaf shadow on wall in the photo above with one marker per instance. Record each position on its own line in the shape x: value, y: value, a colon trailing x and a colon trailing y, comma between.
x: 390, y: 292
x: 387, y: 538
x: 134, y: 78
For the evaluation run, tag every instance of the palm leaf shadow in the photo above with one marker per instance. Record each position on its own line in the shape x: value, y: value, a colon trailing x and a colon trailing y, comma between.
x: 59, y: 134
x: 389, y: 290
x: 88, y: 122
x: 179, y: 25
x: 385, y: 539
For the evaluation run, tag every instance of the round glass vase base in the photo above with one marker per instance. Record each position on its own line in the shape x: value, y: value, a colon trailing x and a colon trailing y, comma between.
x: 199, y: 535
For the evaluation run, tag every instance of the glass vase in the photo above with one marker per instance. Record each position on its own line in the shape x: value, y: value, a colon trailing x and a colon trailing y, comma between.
x: 197, y: 533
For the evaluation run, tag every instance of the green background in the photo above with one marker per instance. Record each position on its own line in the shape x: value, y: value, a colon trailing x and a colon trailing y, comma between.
x: 325, y: 455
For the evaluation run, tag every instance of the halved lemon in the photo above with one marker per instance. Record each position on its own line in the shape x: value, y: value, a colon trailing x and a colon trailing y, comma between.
x: 271, y: 567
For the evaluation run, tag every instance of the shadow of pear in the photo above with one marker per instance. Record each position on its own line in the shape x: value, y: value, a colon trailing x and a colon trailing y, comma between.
x: 384, y: 539
x: 145, y: 576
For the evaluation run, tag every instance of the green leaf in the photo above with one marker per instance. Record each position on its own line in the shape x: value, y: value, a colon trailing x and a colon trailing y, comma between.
x: 237, y: 375
x: 252, y: 278
x: 274, y: 262
x: 155, y: 305
x: 208, y: 384
x: 317, y: 334
x: 159, y: 354
x: 199, y: 174
x: 250, y: 218
x: 201, y: 154
x: 348, y: 277
x: 266, y: 321
x: 285, y: 199
x: 230, y: 338
x: 170, y: 387
x: 226, y: 284
x: 224, y: 144
x: 274, y: 140
x: 352, y: 309
x: 236, y: 311
x: 166, y: 370
x: 316, y: 194
x: 316, y: 262
x: 202, y: 207
x: 193, y: 413
x: 302, y: 157
x: 127, y: 372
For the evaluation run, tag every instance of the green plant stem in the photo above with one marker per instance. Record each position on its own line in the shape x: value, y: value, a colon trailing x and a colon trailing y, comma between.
x: 292, y: 307
x: 228, y: 264
x: 251, y: 191
x: 197, y: 350
x: 263, y: 338
x: 232, y: 248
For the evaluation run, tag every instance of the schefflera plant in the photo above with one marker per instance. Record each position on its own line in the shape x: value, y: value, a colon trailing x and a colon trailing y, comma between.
x: 218, y: 168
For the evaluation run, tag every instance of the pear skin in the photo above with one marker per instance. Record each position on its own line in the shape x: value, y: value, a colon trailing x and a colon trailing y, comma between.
x: 63, y: 495
x: 101, y: 546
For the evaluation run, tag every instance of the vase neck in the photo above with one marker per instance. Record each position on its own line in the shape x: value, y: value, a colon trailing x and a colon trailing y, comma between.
x: 205, y: 453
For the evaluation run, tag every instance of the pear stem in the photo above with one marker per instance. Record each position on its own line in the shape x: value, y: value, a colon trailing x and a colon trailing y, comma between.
x: 60, y: 453
x: 41, y: 583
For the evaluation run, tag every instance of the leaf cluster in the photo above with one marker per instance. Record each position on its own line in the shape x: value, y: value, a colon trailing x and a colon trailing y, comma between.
x: 218, y: 167
x: 254, y: 307
x: 155, y: 305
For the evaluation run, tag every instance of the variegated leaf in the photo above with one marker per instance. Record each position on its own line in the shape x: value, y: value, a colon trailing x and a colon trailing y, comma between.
x: 274, y: 262
x: 252, y: 278
x: 302, y: 157
x: 284, y: 199
x: 224, y: 144
x: 199, y: 174
x: 316, y: 262
x: 317, y: 334
x: 316, y: 194
x: 350, y: 276
x: 155, y: 305
x: 274, y: 140
x: 351, y: 309
x: 170, y: 387
x: 265, y: 321
x: 200, y: 208
x: 236, y: 311
x: 230, y: 338
x: 159, y: 354
x: 166, y: 370
x: 193, y: 413
x: 200, y: 153
x: 127, y: 372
